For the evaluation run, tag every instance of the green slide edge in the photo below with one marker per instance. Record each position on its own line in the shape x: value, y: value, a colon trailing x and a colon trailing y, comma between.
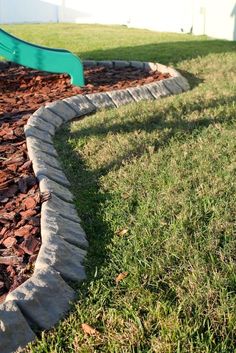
x: 41, y: 58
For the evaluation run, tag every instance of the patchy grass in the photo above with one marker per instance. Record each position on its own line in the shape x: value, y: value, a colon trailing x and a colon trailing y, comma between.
x: 165, y: 172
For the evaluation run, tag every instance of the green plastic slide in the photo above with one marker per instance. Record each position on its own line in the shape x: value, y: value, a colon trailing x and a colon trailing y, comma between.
x: 41, y: 58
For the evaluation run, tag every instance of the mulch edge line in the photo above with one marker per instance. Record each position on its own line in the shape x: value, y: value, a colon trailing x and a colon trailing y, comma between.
x: 41, y: 301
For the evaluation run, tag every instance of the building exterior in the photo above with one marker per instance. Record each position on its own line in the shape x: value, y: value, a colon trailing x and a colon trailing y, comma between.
x: 214, y: 18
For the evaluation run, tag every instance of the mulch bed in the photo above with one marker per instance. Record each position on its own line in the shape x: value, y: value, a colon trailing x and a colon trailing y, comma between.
x: 23, y: 91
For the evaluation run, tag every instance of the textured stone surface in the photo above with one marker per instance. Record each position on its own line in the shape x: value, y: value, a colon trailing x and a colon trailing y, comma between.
x: 140, y: 93
x: 47, y: 184
x: 35, y: 143
x: 70, y: 231
x: 101, y: 100
x: 182, y: 82
x: 121, y: 63
x: 172, y: 86
x: 4, y: 64
x: 81, y: 105
x: 62, y: 109
x: 148, y: 66
x: 121, y: 97
x: 43, y: 169
x: 89, y: 63
x: 106, y: 63
x: 137, y: 64
x: 64, y: 209
x: 41, y: 135
x: 44, y: 298
x: 171, y: 71
x: 65, y: 258
x: 15, y: 332
x: 54, y: 213
x: 41, y: 124
x: 48, y: 116
x: 35, y: 154
x: 162, y: 68
x: 158, y: 90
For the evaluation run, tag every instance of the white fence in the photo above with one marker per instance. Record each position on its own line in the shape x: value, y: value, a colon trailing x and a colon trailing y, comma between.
x: 216, y: 18
x: 20, y: 11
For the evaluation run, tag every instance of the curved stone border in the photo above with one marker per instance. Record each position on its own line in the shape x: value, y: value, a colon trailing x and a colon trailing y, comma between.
x: 41, y: 301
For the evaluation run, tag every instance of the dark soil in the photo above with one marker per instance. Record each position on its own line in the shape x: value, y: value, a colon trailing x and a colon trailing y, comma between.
x: 22, y: 91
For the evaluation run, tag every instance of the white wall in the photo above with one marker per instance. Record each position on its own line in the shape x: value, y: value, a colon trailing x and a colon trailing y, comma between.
x: 99, y: 11
x: 221, y: 19
x: 216, y: 18
x: 167, y: 15
x: 18, y: 11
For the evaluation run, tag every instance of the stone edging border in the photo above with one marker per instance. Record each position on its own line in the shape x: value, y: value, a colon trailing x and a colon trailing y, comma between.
x: 41, y: 301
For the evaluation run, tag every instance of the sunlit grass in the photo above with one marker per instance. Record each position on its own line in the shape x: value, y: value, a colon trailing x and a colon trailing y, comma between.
x: 164, y: 171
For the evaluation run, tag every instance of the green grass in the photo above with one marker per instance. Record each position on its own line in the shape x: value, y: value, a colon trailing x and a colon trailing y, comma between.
x: 165, y: 171
x: 120, y: 42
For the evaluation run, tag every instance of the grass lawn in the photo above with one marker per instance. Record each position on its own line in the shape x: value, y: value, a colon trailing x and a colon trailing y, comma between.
x: 155, y: 187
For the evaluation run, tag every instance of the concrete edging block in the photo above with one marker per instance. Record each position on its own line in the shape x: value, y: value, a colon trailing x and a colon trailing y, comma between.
x: 15, y: 332
x: 121, y: 97
x: 101, y: 100
x: 43, y: 298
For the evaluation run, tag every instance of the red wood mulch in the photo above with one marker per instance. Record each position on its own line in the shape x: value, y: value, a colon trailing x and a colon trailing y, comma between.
x: 23, y: 91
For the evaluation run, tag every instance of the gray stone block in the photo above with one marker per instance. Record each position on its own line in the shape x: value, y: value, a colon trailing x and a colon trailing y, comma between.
x: 15, y: 332
x: 172, y: 71
x: 182, y: 82
x: 41, y: 135
x: 157, y: 89
x: 47, y: 184
x: 44, y: 298
x: 118, y: 64
x: 54, y: 213
x: 89, y: 63
x: 65, y: 258
x: 148, y: 66
x: 62, y: 109
x: 162, y: 68
x: 4, y: 65
x: 48, y: 116
x: 101, y: 100
x: 64, y: 209
x: 105, y: 63
x: 121, y: 97
x: 70, y: 231
x: 140, y: 93
x: 81, y: 105
x: 37, y: 144
x: 42, y: 169
x: 41, y: 124
x: 172, y: 86
x: 36, y: 154
x: 137, y: 64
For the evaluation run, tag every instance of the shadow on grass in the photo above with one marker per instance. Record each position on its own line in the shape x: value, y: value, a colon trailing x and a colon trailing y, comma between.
x: 88, y: 198
x: 165, y: 52
x: 168, y: 53
x: 86, y: 182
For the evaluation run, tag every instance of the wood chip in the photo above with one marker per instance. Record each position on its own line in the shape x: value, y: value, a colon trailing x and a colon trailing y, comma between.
x: 10, y: 260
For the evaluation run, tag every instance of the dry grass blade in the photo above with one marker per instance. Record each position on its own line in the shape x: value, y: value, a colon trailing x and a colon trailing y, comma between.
x: 122, y: 232
x: 121, y: 276
x: 88, y: 330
